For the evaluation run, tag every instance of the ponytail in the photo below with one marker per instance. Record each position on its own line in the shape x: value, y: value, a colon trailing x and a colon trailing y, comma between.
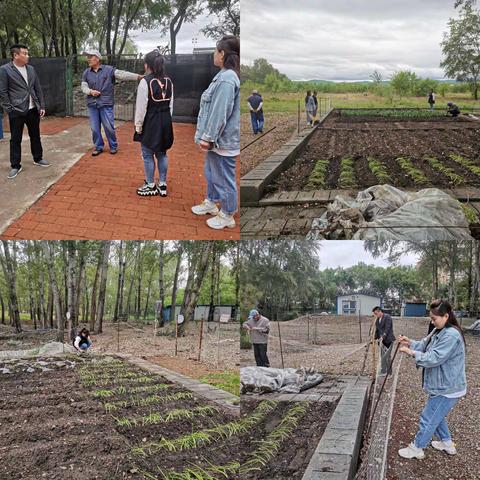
x: 230, y: 45
x: 156, y: 63
x: 442, y: 307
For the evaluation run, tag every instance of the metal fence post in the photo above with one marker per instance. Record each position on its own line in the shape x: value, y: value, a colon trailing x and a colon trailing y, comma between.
x: 308, y: 328
x: 69, y: 85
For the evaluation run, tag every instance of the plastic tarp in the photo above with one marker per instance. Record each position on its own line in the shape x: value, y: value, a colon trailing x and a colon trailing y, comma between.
x: 383, y: 212
x: 285, y: 380
x: 474, y: 328
x: 51, y: 348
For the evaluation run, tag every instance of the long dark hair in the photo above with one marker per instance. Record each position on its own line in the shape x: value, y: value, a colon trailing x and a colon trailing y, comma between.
x: 156, y: 63
x: 230, y: 44
x: 440, y: 308
x: 87, y: 333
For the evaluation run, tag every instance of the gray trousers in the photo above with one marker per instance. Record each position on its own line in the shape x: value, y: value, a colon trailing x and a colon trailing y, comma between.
x: 385, y: 355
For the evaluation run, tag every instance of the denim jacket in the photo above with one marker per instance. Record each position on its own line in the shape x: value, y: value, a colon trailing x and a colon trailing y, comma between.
x: 443, y: 360
x: 219, y: 117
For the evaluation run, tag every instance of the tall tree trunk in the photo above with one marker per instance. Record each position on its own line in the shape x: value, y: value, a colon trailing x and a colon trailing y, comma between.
x: 2, y: 305
x: 201, y: 270
x: 73, y: 35
x: 50, y: 259
x: 161, y: 285
x: 71, y: 254
x: 121, y: 275
x: 212, y: 284
x: 103, y: 285
x: 54, y: 40
x: 149, y: 286
x: 93, y: 308
x: 175, y: 283
x: 8, y: 266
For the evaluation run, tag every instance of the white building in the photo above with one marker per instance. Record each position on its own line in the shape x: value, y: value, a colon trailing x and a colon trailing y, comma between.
x: 357, y: 304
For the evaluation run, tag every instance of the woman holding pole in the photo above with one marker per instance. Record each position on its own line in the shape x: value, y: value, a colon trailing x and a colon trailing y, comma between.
x: 442, y: 356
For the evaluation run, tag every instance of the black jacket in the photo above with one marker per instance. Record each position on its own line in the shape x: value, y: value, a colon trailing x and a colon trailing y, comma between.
x: 384, y: 328
x: 15, y: 93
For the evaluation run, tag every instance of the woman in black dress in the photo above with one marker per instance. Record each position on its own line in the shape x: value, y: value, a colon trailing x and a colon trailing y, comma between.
x: 153, y: 123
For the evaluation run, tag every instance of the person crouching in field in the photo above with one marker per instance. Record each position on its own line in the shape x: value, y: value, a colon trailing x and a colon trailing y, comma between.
x: 452, y: 110
x: 153, y: 123
x: 259, y: 328
x: 83, y: 341
x: 218, y: 135
x: 442, y: 356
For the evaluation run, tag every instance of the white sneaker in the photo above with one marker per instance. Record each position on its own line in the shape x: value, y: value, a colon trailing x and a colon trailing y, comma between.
x: 411, y: 452
x: 205, y: 207
x: 220, y: 221
x: 447, y: 446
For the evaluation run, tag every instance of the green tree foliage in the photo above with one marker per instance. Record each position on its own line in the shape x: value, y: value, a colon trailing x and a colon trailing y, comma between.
x: 461, y: 48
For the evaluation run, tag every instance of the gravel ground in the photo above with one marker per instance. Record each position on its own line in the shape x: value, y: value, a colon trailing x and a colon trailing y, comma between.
x: 464, y: 423
x: 286, y: 126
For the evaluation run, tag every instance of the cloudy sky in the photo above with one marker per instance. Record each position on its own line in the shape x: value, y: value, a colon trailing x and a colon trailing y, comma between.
x: 346, y: 39
x: 147, y: 41
x: 334, y: 254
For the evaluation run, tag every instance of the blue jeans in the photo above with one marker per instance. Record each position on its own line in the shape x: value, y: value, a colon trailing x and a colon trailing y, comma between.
x: 220, y: 173
x: 257, y: 121
x: 84, y: 346
x: 102, y: 116
x: 432, y: 420
x: 149, y: 164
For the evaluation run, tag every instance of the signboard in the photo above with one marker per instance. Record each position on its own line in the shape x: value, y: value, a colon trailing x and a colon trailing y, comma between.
x: 224, y: 318
x: 180, y: 319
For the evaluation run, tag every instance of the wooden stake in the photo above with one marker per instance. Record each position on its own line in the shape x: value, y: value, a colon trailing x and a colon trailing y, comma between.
x: 201, y: 338
x: 280, y: 338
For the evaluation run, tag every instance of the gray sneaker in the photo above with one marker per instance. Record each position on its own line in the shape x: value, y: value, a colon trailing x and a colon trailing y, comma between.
x: 14, y: 172
x: 41, y: 163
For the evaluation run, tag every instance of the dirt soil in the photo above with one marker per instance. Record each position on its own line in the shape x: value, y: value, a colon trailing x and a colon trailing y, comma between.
x: 285, y: 126
x: 51, y: 424
x: 385, y: 140
x: 295, y: 453
x: 463, y: 420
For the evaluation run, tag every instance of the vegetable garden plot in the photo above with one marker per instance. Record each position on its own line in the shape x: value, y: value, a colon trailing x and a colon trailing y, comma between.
x: 52, y: 420
x: 356, y: 152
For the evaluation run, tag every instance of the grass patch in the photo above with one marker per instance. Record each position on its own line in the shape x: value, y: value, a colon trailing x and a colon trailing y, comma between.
x: 379, y: 170
x: 346, y: 180
x: 466, y: 162
x: 414, y: 173
x: 436, y: 164
x: 228, y: 381
x: 317, y: 178
x: 470, y: 213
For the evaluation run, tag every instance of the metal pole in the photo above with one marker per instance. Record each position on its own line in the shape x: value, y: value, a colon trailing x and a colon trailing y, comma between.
x: 280, y: 339
x: 118, y: 334
x: 201, y: 338
x: 308, y: 328
x: 298, y: 122
x: 374, y: 351
x: 218, y: 343
x: 176, y: 334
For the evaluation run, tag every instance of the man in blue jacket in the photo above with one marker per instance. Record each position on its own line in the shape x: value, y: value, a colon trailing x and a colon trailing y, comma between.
x: 22, y: 97
x: 255, y: 104
x: 98, y: 82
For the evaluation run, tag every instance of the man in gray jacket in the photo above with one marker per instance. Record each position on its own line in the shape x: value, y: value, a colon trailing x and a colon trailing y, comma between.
x: 259, y: 328
x: 21, y: 96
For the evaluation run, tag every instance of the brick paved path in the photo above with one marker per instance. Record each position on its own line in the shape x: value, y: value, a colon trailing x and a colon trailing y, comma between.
x: 96, y: 198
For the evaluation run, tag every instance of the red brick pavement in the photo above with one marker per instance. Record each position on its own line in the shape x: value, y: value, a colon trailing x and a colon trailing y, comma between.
x: 96, y: 198
x: 51, y: 125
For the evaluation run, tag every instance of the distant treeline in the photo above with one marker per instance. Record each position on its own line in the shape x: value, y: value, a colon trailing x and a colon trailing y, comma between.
x: 263, y: 76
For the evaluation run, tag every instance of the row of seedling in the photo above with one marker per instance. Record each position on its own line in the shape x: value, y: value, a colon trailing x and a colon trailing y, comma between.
x: 123, y: 390
x: 209, y: 435
x: 155, y: 418
x: 146, y: 401
x: 209, y: 472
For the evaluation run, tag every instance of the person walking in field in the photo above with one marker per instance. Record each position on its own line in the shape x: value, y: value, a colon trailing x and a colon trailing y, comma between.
x: 83, y: 341
x: 384, y: 335
x: 153, y: 123
x: 218, y: 135
x: 98, y: 82
x: 431, y: 100
x: 22, y: 97
x: 259, y: 327
x: 309, y: 108
x: 442, y: 357
x: 255, y: 104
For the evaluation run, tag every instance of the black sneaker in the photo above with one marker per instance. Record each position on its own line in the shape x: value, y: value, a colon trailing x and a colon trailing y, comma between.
x: 147, y: 191
x: 162, y: 188
x: 41, y: 163
x: 95, y: 153
x: 14, y: 172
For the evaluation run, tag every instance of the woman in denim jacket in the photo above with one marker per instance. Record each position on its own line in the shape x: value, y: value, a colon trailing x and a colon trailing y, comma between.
x: 218, y: 134
x: 442, y: 356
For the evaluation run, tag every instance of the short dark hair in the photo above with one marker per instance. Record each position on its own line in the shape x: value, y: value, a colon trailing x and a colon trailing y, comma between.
x: 16, y: 48
x: 377, y: 308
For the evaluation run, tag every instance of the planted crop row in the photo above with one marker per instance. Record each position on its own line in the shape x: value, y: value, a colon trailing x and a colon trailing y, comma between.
x: 144, y: 401
x: 123, y: 390
x: 98, y: 380
x: 347, y: 174
x: 379, y: 170
x: 414, y: 173
x: 466, y: 162
x: 209, y: 435
x: 171, y: 416
x: 318, y: 177
x: 436, y: 164
x: 393, y: 113
x: 269, y: 446
x: 211, y: 472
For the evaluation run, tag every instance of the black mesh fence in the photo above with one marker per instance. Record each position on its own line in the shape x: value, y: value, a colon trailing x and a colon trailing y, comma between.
x: 52, y: 74
x: 190, y: 74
